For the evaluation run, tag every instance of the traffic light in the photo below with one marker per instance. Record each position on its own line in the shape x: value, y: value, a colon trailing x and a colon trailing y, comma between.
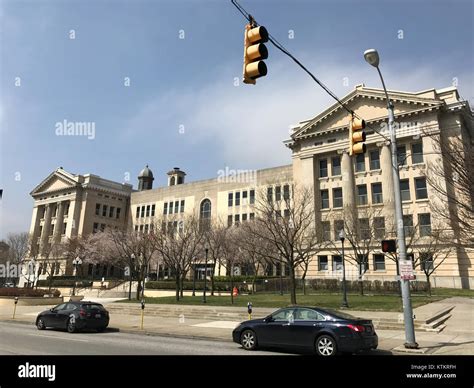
x: 254, y: 52
x: 356, y: 136
x: 389, y: 246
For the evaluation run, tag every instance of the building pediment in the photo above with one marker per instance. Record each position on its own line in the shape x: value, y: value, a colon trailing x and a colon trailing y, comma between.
x: 368, y: 103
x: 58, y: 180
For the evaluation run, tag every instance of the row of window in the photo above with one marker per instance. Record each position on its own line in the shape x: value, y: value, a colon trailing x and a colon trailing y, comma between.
x: 54, y: 269
x: 377, y: 229
x: 51, y: 229
x: 233, y: 198
x: 374, y: 160
x: 237, y: 218
x: 107, y: 211
x: 277, y: 190
x: 96, y: 227
x: 173, y: 207
x: 362, y: 198
x: 55, y: 210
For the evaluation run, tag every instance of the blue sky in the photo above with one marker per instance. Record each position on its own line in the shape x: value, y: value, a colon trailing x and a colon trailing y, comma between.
x: 189, y: 83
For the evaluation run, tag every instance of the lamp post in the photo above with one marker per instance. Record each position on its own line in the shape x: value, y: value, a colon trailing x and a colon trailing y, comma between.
x: 372, y: 57
x: 205, y: 278
x: 76, y: 263
x: 342, y: 237
x: 130, y: 273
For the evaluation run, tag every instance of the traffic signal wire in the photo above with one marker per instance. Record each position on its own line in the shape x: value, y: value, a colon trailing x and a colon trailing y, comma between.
x: 280, y: 47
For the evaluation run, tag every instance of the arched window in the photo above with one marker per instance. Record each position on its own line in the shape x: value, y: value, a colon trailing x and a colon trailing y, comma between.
x: 205, y: 214
x: 172, y: 181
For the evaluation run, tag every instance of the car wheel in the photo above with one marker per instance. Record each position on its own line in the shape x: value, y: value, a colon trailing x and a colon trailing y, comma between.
x: 71, y: 325
x: 248, y: 340
x: 40, y: 324
x: 326, y: 346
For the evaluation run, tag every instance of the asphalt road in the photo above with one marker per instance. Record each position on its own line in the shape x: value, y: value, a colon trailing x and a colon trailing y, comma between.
x: 23, y: 339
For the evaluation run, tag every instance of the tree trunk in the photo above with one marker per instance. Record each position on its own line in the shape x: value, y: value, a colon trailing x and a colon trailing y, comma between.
x: 231, y: 288
x: 177, y: 286
x: 292, y: 284
x: 304, y: 285
x: 212, y: 278
x: 428, y: 285
x: 182, y: 286
x: 361, y: 281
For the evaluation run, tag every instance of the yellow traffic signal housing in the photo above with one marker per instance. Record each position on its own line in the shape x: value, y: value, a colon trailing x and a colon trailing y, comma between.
x: 356, y: 137
x: 254, y: 52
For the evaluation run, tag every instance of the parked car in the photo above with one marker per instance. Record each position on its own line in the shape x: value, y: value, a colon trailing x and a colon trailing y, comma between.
x: 74, y: 316
x: 325, y: 332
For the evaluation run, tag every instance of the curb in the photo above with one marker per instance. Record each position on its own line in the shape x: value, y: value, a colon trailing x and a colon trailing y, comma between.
x: 402, y: 349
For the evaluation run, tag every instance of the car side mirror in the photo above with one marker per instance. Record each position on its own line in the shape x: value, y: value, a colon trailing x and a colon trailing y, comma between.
x: 52, y: 309
x: 268, y: 319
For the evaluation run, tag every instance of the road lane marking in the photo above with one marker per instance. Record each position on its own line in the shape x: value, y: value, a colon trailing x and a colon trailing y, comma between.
x: 57, y: 337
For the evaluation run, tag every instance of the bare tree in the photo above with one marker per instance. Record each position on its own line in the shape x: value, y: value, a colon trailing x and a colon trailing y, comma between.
x: 452, y: 178
x: 288, y: 223
x: 214, y: 239
x: 18, y: 244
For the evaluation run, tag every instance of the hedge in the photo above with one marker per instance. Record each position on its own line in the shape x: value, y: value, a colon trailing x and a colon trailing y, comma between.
x: 188, y: 285
x: 28, y: 292
x: 64, y: 283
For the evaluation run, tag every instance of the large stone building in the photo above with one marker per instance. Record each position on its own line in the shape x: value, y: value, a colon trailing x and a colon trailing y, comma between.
x: 68, y: 205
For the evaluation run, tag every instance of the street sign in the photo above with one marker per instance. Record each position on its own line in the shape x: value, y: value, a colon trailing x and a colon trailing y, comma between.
x: 406, y: 270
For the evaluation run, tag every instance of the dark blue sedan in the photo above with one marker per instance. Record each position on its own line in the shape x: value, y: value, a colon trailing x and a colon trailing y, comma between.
x: 324, y: 331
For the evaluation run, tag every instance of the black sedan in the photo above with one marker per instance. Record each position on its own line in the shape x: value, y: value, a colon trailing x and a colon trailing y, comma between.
x: 74, y: 316
x: 326, y: 332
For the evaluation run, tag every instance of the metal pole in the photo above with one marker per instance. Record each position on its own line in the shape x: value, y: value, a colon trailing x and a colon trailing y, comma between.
x: 344, y: 291
x: 75, y: 280
x: 205, y: 280
x: 194, y: 279
x: 405, y: 283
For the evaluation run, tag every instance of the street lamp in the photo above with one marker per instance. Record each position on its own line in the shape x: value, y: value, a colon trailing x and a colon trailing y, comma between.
x: 76, y: 263
x: 372, y: 57
x: 205, y: 278
x: 342, y: 237
x: 130, y: 272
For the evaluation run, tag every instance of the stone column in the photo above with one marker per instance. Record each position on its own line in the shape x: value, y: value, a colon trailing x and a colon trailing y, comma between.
x: 59, y: 222
x: 46, y: 225
x: 348, y: 181
x: 387, y: 186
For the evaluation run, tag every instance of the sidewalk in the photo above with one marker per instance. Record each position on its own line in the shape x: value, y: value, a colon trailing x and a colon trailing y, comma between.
x: 457, y: 338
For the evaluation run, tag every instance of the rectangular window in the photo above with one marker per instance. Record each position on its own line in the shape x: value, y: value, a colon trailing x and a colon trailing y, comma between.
x: 102, y: 227
x: 286, y: 213
x: 252, y: 197
x: 338, y: 226
x: 97, y: 209
x: 95, y: 228
x: 379, y: 228
x: 405, y: 189
x: 104, y: 211
x: 181, y: 210
x: 230, y: 199
x: 278, y: 193
x: 379, y: 263
x: 337, y: 197
x: 176, y: 207
x: 138, y: 212
x: 244, y: 217
x: 322, y: 263
x: 362, y: 195
x: 417, y: 153
x: 245, y: 197
x: 286, y: 192
x: 326, y: 230
x: 323, y: 168
x: 364, y: 229
x: 420, y: 188
x: 408, y: 224
x: 324, y: 199
x: 148, y: 207
x: 426, y: 262
x: 146, y: 228
x: 237, y: 198
x: 336, y: 165
x: 142, y: 213
x: 252, y: 216
x: 363, y: 261
x: 165, y: 208
x: 377, y: 196
x: 66, y: 209
x: 229, y: 221
x: 136, y: 228
x: 424, y: 220
x: 111, y: 212
x: 117, y: 213
x: 402, y: 155
x: 360, y: 163
x: 336, y: 263
x: 153, y: 210
x: 141, y: 228
x: 270, y: 194
x: 374, y: 157
x: 170, y: 208
x: 64, y: 228
x: 237, y: 219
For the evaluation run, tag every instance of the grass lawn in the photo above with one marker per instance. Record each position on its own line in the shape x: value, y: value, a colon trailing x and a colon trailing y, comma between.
x: 356, y: 302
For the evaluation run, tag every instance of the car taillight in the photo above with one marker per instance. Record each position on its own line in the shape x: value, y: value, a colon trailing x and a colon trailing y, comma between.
x: 82, y: 313
x: 357, y: 328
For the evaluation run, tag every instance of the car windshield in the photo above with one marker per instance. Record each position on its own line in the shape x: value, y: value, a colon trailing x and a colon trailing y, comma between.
x: 90, y: 306
x: 339, y: 314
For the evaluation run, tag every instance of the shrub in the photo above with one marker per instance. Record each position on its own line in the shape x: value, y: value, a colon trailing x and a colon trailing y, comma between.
x: 28, y: 292
x: 64, y: 283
